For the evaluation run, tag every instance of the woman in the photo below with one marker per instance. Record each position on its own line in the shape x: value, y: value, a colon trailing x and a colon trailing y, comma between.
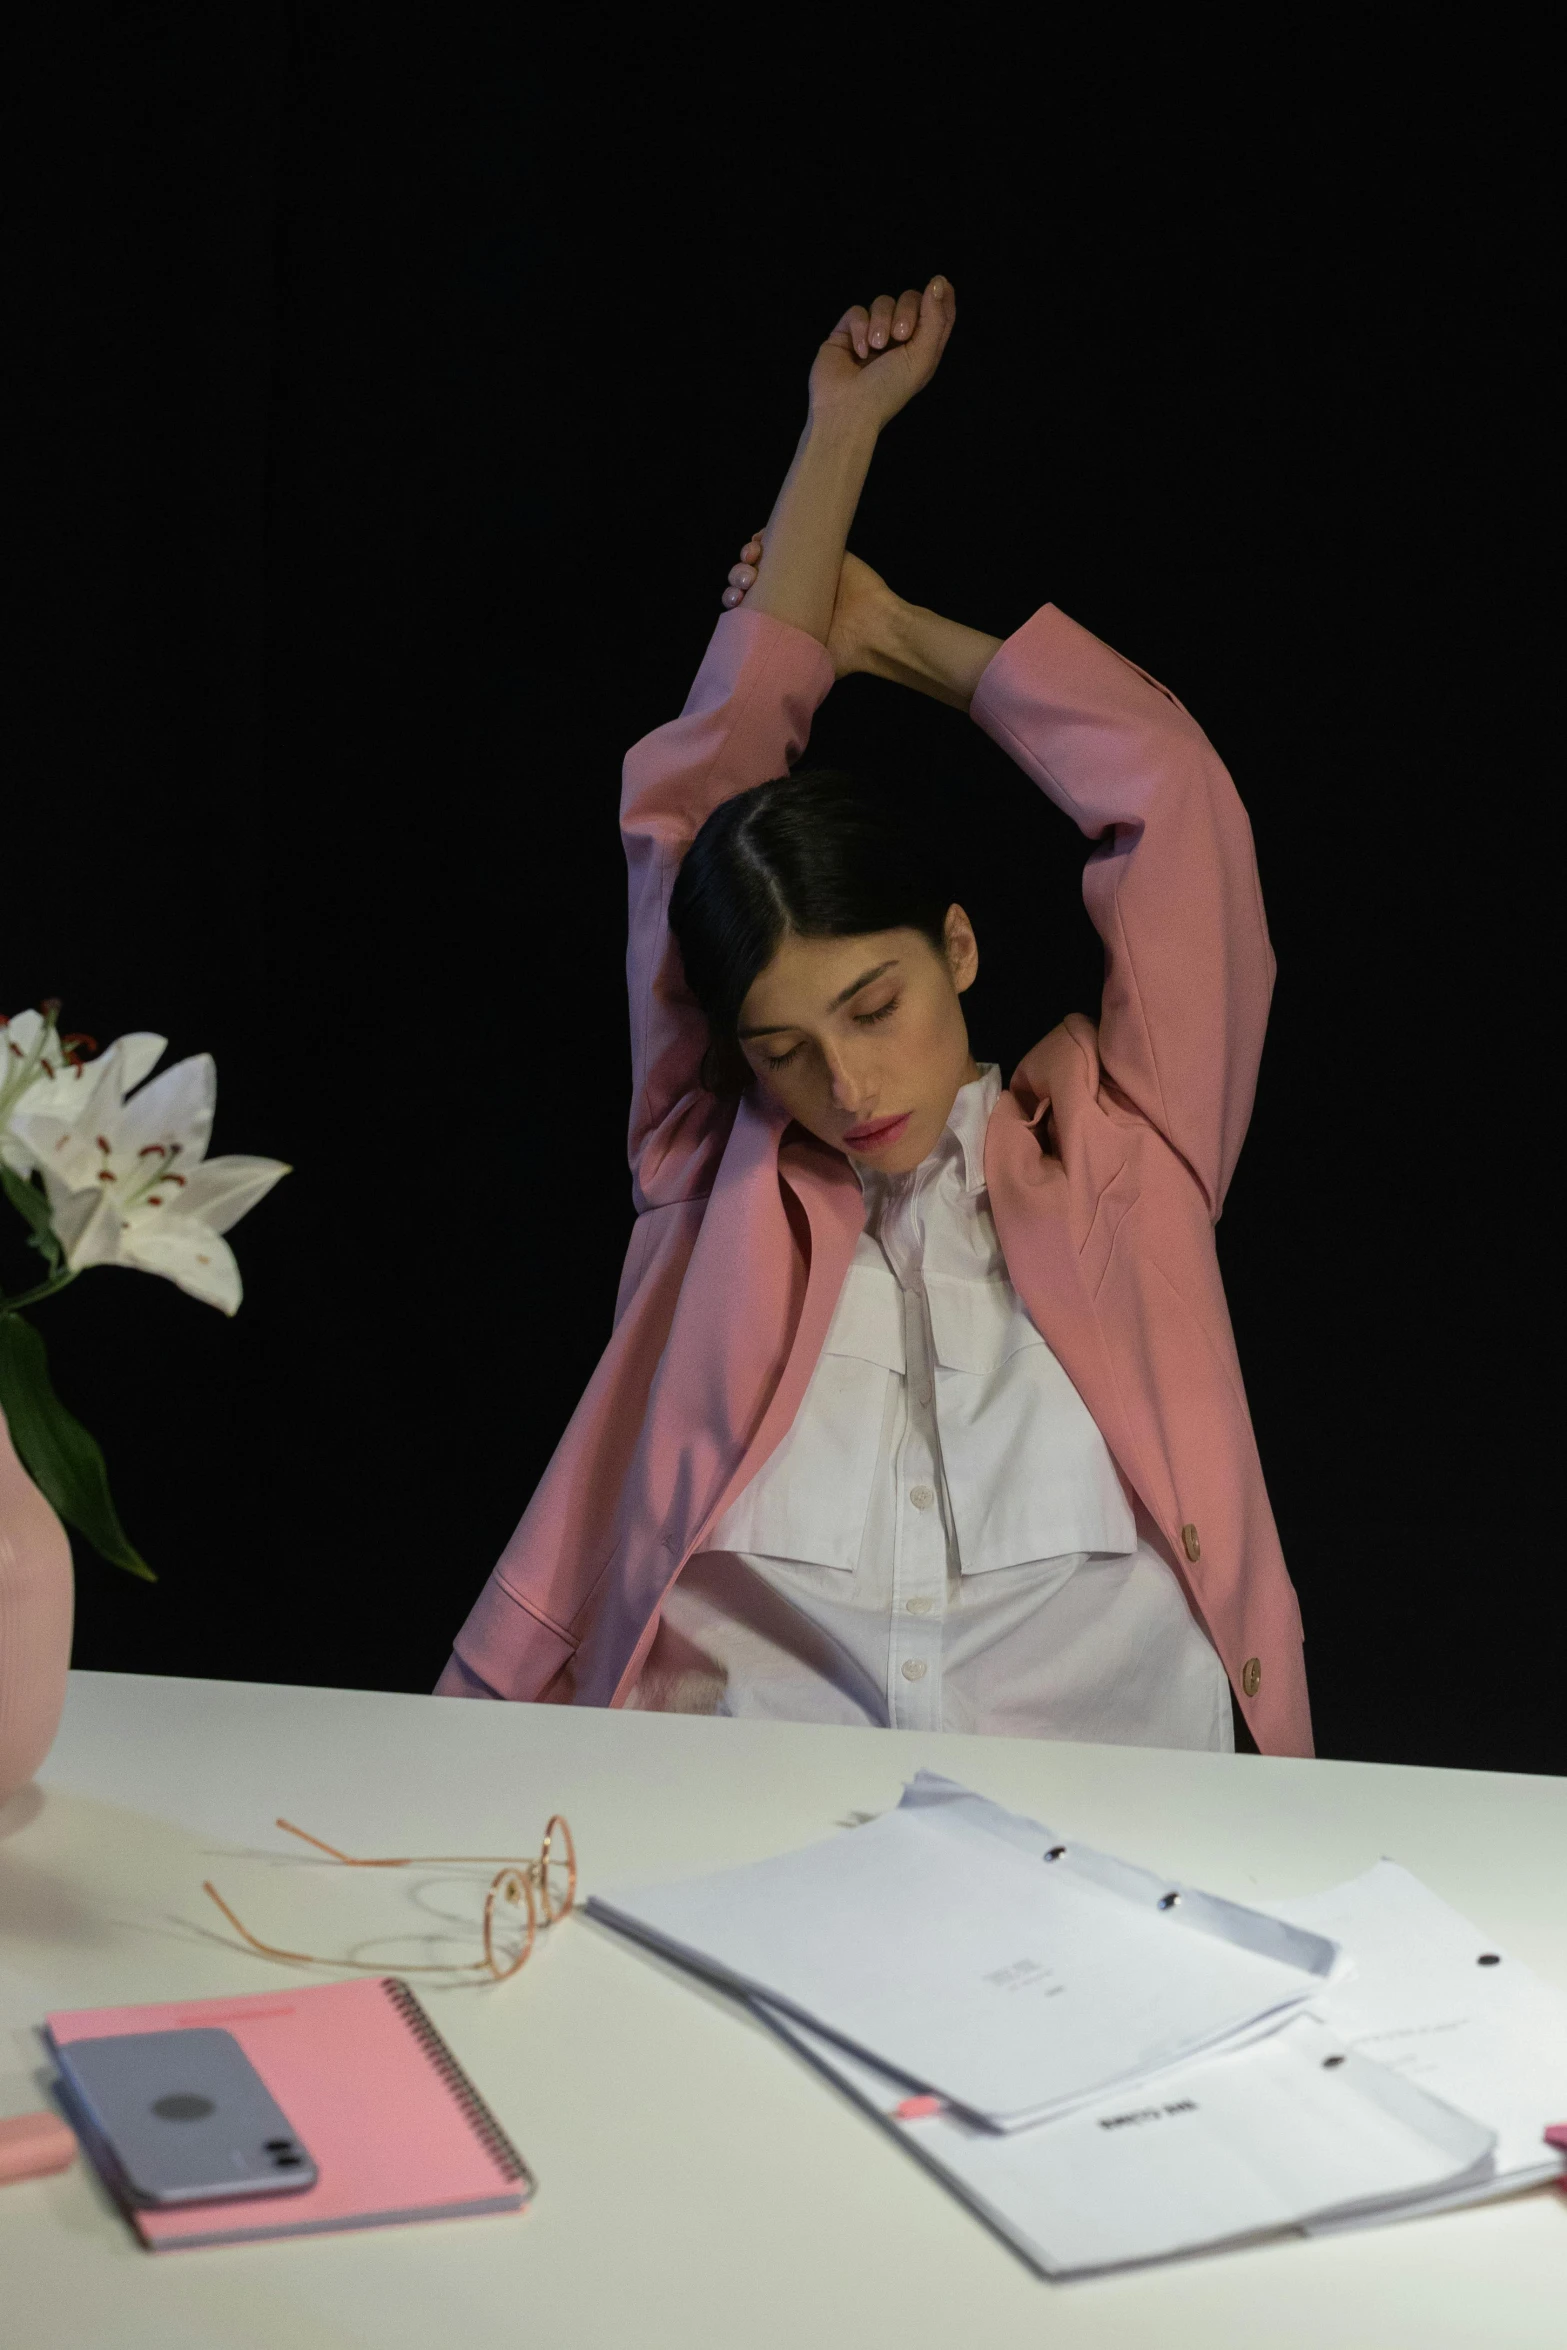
x: 922, y: 1405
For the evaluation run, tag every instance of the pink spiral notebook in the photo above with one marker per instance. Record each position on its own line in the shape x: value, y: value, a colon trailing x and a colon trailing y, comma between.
x: 397, y: 2130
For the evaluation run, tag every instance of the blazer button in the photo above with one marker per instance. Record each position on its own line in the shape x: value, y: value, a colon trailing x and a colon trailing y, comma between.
x: 1190, y: 1543
x: 1251, y: 1675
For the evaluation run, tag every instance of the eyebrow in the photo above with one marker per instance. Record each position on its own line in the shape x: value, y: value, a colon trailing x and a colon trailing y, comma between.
x: 838, y: 1000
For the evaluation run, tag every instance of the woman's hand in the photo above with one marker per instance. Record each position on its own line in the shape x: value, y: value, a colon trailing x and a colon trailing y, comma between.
x: 874, y: 630
x: 875, y: 360
x: 862, y: 613
x: 871, y: 364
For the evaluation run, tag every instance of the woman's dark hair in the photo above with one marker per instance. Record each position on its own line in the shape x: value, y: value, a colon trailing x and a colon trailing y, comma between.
x: 819, y: 854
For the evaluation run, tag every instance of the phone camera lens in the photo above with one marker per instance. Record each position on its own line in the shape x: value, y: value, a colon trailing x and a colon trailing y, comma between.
x: 182, y: 2105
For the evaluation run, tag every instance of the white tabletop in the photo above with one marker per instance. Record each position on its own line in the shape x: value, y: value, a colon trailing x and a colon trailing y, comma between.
x: 698, y: 2186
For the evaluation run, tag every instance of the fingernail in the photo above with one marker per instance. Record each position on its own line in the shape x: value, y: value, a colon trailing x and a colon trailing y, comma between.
x: 938, y: 286
x: 878, y: 338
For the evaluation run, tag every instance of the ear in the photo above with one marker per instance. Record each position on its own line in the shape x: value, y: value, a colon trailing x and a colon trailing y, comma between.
x: 962, y: 949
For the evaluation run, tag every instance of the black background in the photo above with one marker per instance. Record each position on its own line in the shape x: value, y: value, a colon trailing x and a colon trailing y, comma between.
x: 389, y: 397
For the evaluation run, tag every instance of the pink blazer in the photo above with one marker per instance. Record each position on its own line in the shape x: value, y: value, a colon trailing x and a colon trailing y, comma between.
x: 1107, y: 1163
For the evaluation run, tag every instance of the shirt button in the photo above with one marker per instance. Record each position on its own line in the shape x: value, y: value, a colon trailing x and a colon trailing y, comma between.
x: 919, y: 1607
x: 914, y: 1670
x: 1190, y: 1543
x: 922, y: 1496
x: 1251, y: 1675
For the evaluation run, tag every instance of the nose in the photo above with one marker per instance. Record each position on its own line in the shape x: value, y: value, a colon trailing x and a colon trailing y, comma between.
x: 851, y: 1090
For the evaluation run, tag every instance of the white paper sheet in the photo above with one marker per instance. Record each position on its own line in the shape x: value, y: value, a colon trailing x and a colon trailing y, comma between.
x: 979, y: 1955
x: 1291, y: 2130
x: 1489, y: 2038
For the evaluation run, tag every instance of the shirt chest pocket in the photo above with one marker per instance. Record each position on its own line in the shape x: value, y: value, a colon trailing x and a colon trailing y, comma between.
x: 809, y: 1501
x: 1028, y: 1474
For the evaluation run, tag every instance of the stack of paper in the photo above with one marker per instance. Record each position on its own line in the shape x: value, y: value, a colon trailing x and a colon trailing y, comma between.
x: 1289, y: 2131
x: 1430, y: 1996
x: 977, y: 1957
x: 1112, y: 2067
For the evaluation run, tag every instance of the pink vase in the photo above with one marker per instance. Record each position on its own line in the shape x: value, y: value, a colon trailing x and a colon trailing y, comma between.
x: 36, y: 1602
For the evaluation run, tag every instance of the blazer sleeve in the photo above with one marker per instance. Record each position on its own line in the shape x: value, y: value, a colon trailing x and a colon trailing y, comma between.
x: 1171, y: 887
x: 747, y: 720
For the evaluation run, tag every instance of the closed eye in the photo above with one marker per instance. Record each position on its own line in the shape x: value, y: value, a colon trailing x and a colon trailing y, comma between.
x: 861, y: 1020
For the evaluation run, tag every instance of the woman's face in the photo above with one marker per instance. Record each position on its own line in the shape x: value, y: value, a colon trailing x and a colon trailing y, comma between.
x: 863, y: 1039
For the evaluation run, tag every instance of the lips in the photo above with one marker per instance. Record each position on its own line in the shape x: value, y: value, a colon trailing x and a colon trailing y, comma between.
x: 877, y: 1135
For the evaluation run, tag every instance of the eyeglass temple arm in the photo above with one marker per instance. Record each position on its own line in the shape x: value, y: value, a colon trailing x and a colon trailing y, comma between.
x: 269, y: 1949
x: 412, y: 1860
x: 312, y: 1958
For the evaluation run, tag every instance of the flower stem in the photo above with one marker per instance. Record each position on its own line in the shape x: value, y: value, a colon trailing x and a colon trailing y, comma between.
x: 30, y: 1297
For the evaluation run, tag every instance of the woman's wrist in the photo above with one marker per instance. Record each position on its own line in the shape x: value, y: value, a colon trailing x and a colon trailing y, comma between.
x: 911, y: 646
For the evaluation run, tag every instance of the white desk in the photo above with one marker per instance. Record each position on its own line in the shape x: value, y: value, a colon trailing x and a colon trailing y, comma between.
x: 699, y: 2189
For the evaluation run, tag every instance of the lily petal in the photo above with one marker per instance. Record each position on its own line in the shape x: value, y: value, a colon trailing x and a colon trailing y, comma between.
x: 189, y: 1254
x: 176, y: 1107
x: 220, y: 1191
x: 140, y: 1052
x: 87, y: 1224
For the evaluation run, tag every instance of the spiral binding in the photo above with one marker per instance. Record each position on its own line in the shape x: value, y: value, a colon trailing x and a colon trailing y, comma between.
x: 477, y: 2114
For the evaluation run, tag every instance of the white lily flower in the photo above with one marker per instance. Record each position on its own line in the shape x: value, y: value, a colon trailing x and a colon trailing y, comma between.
x: 40, y: 1070
x: 129, y: 1181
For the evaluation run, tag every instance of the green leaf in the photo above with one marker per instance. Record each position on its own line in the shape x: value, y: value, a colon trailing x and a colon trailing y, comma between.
x: 33, y: 1208
x: 56, y: 1450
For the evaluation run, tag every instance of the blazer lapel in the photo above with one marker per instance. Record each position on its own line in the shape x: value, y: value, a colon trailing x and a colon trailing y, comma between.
x: 1029, y: 1199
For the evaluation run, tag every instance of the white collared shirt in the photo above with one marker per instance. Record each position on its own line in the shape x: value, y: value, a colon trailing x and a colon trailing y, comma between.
x: 941, y: 1541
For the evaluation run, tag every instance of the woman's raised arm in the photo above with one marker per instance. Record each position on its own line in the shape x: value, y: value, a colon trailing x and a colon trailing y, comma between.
x: 1172, y: 884
x: 870, y: 366
x: 749, y: 713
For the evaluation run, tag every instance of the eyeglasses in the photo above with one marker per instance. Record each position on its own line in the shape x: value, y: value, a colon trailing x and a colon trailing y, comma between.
x: 512, y: 1906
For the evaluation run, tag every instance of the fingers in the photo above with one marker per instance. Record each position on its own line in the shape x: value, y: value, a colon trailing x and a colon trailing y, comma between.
x: 742, y: 575
x: 852, y: 332
x: 938, y: 307
x: 893, y: 320
x: 879, y: 333
x: 938, y: 315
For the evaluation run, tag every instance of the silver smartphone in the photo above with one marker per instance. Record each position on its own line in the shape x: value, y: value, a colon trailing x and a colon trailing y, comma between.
x: 180, y: 2117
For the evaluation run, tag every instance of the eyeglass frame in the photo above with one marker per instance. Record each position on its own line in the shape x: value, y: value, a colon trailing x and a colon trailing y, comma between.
x: 514, y: 1883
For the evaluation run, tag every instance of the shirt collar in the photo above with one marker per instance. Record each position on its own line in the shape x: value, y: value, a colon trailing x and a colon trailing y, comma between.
x: 963, y: 1138
x: 969, y: 1118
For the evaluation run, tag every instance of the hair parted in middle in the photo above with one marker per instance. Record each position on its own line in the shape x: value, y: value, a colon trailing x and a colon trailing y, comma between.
x: 819, y: 854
